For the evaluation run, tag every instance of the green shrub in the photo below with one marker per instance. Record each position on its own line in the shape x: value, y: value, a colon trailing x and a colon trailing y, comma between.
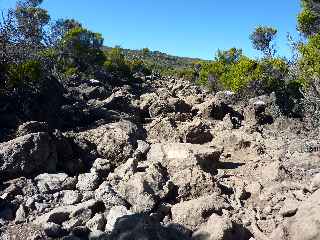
x: 23, y: 74
x: 309, y: 62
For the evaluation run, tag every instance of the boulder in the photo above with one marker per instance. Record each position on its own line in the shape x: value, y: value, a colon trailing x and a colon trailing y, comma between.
x: 106, y: 194
x: 51, y: 183
x: 191, y: 214
x: 144, y: 189
x: 196, y: 132
x: 114, y: 214
x: 88, y: 181
x: 159, y: 108
x: 216, y: 228
x: 305, y: 224
x: 115, y: 141
x: 98, y: 222
x: 163, y: 129
x: 27, y: 155
x: 101, y: 166
x: 179, y: 156
x: 32, y: 127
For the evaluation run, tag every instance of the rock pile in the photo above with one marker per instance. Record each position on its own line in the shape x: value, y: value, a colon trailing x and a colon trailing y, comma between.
x: 160, y: 159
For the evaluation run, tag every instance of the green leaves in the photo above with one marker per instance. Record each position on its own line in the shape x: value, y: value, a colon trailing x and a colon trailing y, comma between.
x: 262, y: 38
x: 309, y: 18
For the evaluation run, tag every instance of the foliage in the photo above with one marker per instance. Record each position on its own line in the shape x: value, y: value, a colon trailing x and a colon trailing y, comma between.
x: 309, y: 17
x: 81, y: 48
x: 262, y: 38
x: 310, y: 59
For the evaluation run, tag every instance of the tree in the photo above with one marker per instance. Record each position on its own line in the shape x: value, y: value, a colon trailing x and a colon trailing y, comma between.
x: 80, y: 48
x: 229, y: 56
x: 309, y: 17
x: 262, y: 38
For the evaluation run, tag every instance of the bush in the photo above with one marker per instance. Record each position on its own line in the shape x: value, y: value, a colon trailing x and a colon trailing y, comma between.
x: 20, y: 75
x: 309, y: 62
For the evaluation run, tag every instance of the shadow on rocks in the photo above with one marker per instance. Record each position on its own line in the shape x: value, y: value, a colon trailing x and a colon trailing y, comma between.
x: 140, y: 226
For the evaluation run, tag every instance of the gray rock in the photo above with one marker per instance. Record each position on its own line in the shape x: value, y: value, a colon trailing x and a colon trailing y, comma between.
x: 315, y: 183
x: 115, y: 141
x: 51, y: 183
x: 101, y: 166
x: 70, y: 197
x: 53, y: 230
x: 114, y: 214
x: 107, y: 194
x: 98, y: 222
x: 144, y: 189
x: 160, y: 107
x: 216, y: 228
x: 32, y: 127
x: 21, y: 214
x: 98, y: 235
x: 88, y: 181
x: 289, y: 208
x: 191, y: 214
x: 62, y: 214
x: 305, y: 224
x: 29, y: 154
x: 179, y: 156
x: 196, y: 132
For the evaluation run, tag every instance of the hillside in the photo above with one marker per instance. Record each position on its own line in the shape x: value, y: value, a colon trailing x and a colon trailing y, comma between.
x: 159, y: 61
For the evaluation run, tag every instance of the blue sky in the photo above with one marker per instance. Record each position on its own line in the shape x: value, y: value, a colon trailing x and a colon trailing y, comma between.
x: 179, y: 27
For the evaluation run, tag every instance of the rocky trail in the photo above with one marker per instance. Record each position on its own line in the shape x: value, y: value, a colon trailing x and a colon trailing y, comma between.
x: 160, y: 159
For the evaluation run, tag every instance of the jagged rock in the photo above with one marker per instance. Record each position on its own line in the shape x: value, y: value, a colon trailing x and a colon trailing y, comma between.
x: 19, y: 186
x: 27, y: 155
x: 115, y: 142
x: 88, y: 181
x: 305, y: 224
x: 196, y: 132
x: 179, y: 156
x: 101, y: 166
x: 32, y: 127
x: 110, y: 198
x: 78, y: 218
x: 144, y: 189
x: 141, y: 150
x: 193, y: 183
x: 217, y: 228
x: 70, y: 197
x: 114, y: 214
x: 159, y: 108
x: 315, y: 183
x: 139, y: 226
x: 98, y: 222
x: 62, y: 214
x: 289, y: 208
x: 21, y: 214
x: 51, y: 183
x: 146, y: 101
x: 54, y: 230
x: 193, y: 213
x: 163, y: 129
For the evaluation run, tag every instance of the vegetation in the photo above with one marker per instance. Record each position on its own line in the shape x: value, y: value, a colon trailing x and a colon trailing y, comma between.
x: 34, y: 49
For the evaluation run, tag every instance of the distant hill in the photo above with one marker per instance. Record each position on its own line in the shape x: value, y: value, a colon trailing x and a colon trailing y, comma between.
x: 159, y: 61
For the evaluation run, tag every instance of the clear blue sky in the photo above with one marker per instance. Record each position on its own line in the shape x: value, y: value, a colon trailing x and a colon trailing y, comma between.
x: 179, y: 27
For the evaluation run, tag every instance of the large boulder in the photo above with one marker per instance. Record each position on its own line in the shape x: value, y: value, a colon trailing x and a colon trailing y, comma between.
x: 163, y: 129
x: 143, y: 190
x: 196, y: 132
x: 32, y: 127
x: 27, y: 155
x: 191, y: 214
x: 180, y: 156
x: 51, y: 183
x: 305, y: 224
x: 115, y: 141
